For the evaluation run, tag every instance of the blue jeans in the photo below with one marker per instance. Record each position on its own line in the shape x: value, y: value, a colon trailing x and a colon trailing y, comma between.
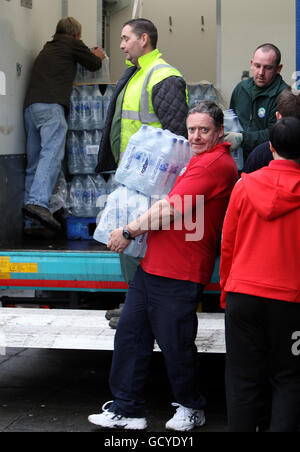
x: 163, y: 309
x: 46, y: 129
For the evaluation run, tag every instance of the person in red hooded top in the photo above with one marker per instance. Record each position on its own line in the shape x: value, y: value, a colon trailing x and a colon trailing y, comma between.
x: 260, y: 285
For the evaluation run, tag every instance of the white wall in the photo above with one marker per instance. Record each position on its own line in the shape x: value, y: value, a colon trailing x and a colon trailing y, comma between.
x: 85, y: 11
x: 22, y: 33
x: 186, y: 47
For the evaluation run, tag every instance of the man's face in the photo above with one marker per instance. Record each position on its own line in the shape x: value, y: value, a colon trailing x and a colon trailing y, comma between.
x: 264, y: 68
x: 131, y: 45
x: 203, y: 134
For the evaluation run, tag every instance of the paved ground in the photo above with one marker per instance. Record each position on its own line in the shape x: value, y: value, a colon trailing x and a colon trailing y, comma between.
x: 55, y: 390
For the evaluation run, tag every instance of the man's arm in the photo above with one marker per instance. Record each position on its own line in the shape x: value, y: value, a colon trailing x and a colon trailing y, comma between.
x: 91, y: 60
x: 160, y: 214
x: 170, y: 106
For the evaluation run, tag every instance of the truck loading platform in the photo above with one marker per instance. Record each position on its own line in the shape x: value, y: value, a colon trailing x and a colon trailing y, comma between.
x: 85, y: 330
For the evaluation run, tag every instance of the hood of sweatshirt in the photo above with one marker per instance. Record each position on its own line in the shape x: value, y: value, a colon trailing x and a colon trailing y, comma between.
x: 274, y: 191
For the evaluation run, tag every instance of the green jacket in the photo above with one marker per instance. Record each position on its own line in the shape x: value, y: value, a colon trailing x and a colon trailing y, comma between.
x: 256, y: 110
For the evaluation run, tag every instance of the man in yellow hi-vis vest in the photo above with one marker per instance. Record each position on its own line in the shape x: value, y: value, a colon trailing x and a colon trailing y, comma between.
x: 150, y: 92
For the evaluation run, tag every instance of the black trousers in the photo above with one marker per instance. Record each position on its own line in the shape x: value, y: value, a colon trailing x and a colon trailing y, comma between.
x: 163, y: 309
x: 261, y: 351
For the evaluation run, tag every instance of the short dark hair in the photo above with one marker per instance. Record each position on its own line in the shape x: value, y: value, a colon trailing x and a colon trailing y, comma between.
x: 267, y: 48
x: 288, y: 104
x: 140, y: 26
x: 212, y: 109
x: 285, y: 138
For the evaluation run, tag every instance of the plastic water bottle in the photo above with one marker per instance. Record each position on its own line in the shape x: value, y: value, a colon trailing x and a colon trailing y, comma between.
x: 89, y: 198
x: 73, y: 152
x: 210, y: 93
x: 195, y: 94
x: 100, y: 192
x: 76, y: 197
x: 151, y: 163
x: 232, y: 124
x: 85, y: 108
x: 73, y: 120
x: 96, y: 108
x: 111, y: 184
x: 106, y: 98
x: 137, y: 247
x: 90, y: 140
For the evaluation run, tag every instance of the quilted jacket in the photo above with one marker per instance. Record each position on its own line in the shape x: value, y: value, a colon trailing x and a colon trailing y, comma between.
x: 169, y: 102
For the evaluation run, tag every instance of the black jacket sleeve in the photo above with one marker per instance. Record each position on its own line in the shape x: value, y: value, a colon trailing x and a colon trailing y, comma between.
x: 169, y: 102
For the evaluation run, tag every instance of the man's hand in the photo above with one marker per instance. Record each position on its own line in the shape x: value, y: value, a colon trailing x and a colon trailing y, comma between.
x: 117, y: 242
x: 234, y: 138
x: 99, y: 52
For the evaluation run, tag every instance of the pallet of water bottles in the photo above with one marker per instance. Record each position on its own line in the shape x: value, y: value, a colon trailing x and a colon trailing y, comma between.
x: 87, y: 199
x: 201, y: 91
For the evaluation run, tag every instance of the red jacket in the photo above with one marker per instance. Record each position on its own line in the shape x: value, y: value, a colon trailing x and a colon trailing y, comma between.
x: 261, y: 234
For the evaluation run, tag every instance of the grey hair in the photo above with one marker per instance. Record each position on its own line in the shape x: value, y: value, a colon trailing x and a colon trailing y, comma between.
x: 210, y: 108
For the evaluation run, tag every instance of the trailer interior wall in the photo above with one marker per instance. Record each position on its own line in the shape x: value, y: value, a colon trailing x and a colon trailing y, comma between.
x: 246, y: 25
x: 86, y: 13
x: 187, y: 36
x: 226, y: 47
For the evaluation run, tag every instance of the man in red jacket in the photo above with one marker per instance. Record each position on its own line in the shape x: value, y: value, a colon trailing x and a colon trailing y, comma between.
x: 261, y: 287
x: 164, y: 294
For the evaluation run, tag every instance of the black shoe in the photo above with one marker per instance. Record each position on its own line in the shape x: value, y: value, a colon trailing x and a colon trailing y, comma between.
x: 42, y: 214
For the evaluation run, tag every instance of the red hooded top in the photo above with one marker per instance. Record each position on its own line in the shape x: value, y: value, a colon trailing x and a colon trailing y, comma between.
x: 261, y: 234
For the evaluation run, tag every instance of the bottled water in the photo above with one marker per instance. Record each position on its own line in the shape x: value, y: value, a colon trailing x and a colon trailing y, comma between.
x: 74, y: 157
x: 137, y: 247
x: 73, y: 120
x: 195, y: 94
x: 96, y: 108
x: 232, y: 124
x: 89, y: 198
x: 123, y: 206
x: 152, y: 161
x: 85, y: 108
x: 76, y: 197
x: 210, y: 93
x: 106, y: 98
x: 111, y: 184
x: 100, y: 192
x: 89, y: 142
x: 81, y: 74
x: 113, y: 216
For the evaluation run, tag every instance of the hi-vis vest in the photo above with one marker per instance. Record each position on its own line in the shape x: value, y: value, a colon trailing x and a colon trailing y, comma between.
x: 137, y: 108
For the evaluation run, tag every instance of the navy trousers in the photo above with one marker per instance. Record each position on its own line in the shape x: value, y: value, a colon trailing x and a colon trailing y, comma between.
x: 163, y: 309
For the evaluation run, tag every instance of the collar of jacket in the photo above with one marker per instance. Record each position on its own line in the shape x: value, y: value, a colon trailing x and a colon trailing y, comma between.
x: 270, y: 91
x: 147, y: 59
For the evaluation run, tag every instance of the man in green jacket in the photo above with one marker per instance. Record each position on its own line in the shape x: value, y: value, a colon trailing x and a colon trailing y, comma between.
x: 255, y: 100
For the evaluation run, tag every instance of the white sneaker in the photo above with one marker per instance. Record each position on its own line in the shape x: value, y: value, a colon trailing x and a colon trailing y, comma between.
x: 186, y: 419
x: 109, y: 419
